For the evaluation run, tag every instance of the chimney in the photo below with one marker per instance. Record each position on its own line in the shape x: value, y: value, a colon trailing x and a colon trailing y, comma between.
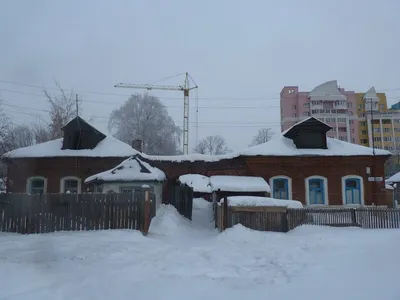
x: 137, y: 145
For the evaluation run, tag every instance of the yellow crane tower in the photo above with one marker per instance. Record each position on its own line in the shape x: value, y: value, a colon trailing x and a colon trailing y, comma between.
x: 186, y: 88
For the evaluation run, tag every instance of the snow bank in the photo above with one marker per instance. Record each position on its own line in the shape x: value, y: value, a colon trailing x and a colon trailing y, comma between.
x: 239, y: 184
x: 168, y: 222
x: 131, y: 169
x: 199, y: 183
x: 261, y: 201
x: 201, y: 203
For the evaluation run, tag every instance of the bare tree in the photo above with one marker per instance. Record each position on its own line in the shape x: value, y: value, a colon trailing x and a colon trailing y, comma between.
x: 19, y: 136
x: 146, y: 118
x: 62, y: 109
x: 263, y: 135
x: 212, y: 145
x: 41, y: 133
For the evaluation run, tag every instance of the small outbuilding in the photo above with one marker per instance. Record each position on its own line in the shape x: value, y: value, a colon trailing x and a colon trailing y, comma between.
x: 199, y: 183
x: 130, y: 175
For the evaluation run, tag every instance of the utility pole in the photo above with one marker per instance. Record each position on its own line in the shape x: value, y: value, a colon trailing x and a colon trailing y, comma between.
x: 77, y: 105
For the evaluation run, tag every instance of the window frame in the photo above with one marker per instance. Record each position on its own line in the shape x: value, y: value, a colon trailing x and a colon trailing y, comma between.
x: 325, y: 189
x: 65, y: 178
x: 289, y: 185
x: 29, y: 184
x: 352, y: 176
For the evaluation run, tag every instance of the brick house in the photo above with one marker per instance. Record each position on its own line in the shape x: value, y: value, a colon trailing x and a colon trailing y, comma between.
x: 61, y: 165
x: 299, y: 164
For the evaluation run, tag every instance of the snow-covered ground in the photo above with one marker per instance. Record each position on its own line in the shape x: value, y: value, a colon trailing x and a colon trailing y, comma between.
x: 190, y: 260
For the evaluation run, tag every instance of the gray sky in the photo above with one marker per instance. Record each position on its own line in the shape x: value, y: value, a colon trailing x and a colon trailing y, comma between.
x: 240, y: 53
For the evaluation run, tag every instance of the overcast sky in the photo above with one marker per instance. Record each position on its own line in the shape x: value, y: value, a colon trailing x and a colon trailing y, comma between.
x: 240, y: 53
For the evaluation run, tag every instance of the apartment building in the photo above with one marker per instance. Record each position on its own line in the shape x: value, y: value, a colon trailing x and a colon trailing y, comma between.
x: 361, y: 118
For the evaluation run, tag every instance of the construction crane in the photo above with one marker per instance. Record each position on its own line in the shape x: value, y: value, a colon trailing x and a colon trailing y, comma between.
x: 185, y: 88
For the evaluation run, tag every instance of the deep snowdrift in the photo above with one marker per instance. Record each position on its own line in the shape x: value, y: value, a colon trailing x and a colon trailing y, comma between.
x: 182, y: 259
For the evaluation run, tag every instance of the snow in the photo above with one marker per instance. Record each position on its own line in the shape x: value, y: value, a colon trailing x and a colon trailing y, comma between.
x: 189, y: 157
x: 108, y: 147
x: 199, y: 183
x: 261, y: 201
x: 239, y: 183
x: 131, y: 169
x: 180, y: 259
x: 279, y: 145
x: 394, y: 178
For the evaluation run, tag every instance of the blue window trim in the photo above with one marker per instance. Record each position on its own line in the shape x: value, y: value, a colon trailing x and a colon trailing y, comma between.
x: 279, y: 193
x: 353, y: 189
x: 320, y: 189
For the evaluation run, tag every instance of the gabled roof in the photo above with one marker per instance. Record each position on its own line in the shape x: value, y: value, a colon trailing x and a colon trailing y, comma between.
x: 327, y: 91
x: 371, y: 94
x: 310, y: 123
x: 79, y: 124
x: 108, y: 147
x: 131, y: 169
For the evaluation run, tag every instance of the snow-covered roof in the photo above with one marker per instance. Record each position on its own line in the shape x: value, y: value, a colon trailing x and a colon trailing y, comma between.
x: 279, y: 145
x: 108, y: 147
x: 394, y: 178
x: 131, y: 169
x: 261, y: 201
x: 189, y: 157
x: 199, y: 183
x: 371, y: 94
x: 327, y: 91
x: 239, y: 184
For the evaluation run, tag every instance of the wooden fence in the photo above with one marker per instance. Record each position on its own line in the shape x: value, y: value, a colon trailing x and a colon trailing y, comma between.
x: 24, y: 213
x: 182, y: 199
x: 281, y: 219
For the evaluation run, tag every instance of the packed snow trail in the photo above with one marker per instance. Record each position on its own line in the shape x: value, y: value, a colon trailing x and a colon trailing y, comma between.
x: 180, y: 259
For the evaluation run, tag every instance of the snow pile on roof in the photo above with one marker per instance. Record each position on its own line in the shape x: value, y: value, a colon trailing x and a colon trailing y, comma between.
x: 239, y: 184
x: 394, y: 178
x: 279, y: 145
x: 189, y: 157
x: 261, y: 201
x: 199, y: 183
x: 168, y: 222
x: 131, y: 169
x: 108, y: 147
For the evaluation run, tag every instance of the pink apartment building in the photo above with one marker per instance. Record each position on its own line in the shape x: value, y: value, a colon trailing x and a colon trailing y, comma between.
x: 327, y: 102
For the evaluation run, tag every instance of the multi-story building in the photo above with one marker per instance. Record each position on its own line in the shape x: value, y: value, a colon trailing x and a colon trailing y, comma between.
x: 361, y: 118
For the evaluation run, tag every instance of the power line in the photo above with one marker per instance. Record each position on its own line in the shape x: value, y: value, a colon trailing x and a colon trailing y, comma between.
x: 114, y: 94
x: 168, y: 106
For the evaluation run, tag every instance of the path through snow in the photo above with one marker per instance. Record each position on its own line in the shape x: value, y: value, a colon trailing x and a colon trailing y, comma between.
x: 191, y: 260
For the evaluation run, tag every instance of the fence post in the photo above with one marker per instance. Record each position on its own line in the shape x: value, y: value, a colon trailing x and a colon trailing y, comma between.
x: 285, y: 221
x: 225, y: 225
x: 146, y: 210
x: 353, y: 217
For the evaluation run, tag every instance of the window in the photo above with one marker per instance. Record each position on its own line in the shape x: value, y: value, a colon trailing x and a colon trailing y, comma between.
x: 131, y: 189
x: 36, y: 185
x: 387, y: 138
x: 342, y: 129
x: 352, y: 130
x: 306, y: 113
x: 352, y: 190
x: 70, y: 185
x: 330, y: 120
x: 316, y: 190
x: 364, y: 141
x: 351, y: 121
x: 293, y: 106
x: 385, y: 129
x: 378, y: 130
x: 377, y: 139
x: 363, y: 123
x: 382, y: 106
x: 350, y: 104
x: 342, y: 138
x: 306, y: 105
x: 362, y: 106
x: 281, y: 187
x: 353, y: 140
x: 294, y: 115
x: 364, y: 132
x: 342, y: 120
